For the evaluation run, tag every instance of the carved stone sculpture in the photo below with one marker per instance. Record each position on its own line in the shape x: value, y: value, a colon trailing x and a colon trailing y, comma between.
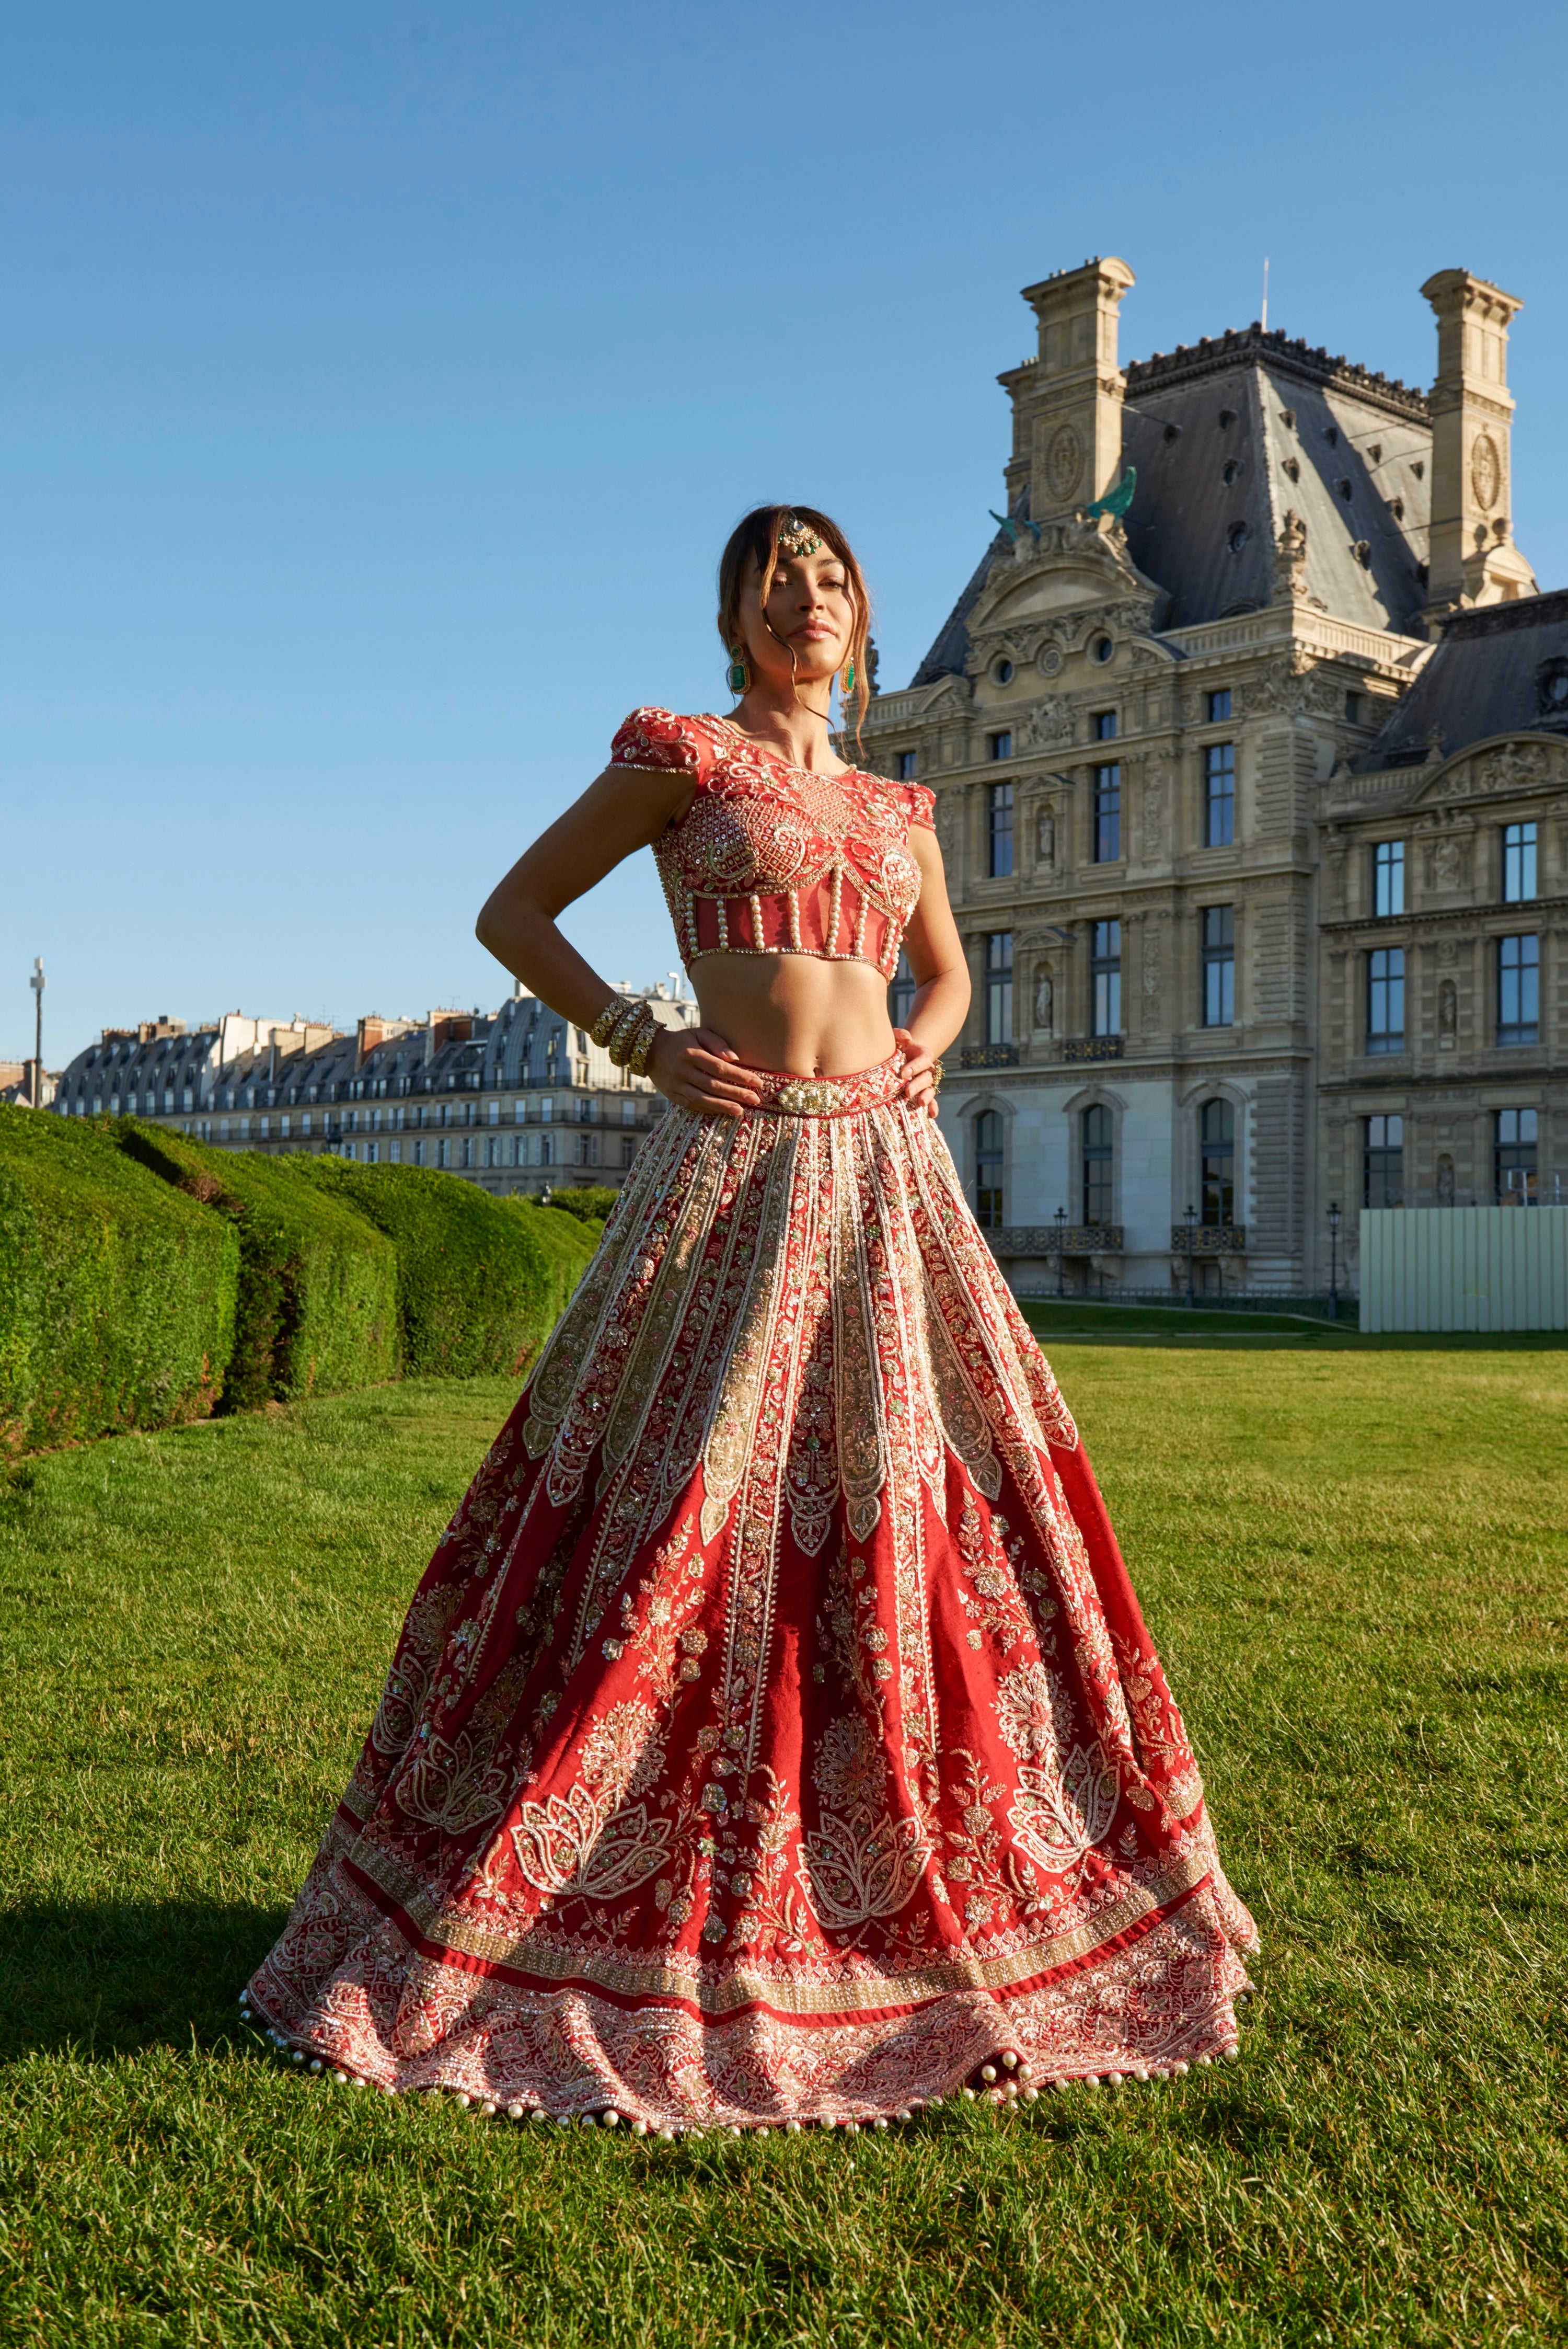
x: 1045, y: 1001
x: 1448, y: 1014
x: 1046, y: 835
x: 1290, y: 559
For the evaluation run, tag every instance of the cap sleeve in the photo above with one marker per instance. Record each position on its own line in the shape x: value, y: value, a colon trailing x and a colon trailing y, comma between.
x: 922, y: 807
x: 658, y: 738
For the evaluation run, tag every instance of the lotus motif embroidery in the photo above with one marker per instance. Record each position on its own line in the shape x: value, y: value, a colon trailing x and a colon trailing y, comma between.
x: 567, y: 1845
x: 1062, y: 1814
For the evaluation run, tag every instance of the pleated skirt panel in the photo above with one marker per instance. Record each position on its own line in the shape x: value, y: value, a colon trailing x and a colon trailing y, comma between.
x: 775, y: 1733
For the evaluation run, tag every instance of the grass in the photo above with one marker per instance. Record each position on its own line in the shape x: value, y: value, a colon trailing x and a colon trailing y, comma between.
x: 1355, y: 1570
x: 1086, y: 1322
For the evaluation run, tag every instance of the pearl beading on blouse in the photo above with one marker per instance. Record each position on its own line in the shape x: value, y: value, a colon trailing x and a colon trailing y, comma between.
x: 773, y: 859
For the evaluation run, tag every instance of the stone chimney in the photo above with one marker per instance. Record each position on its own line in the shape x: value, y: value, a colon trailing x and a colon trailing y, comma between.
x: 1066, y: 403
x: 1473, y: 558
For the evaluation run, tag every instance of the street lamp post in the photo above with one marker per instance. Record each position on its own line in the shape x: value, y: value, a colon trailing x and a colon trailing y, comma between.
x: 1191, y: 1219
x: 37, y: 984
x: 1061, y: 1224
x: 1334, y: 1261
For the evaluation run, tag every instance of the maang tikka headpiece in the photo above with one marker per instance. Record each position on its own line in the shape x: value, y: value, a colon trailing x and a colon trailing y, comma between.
x: 796, y: 539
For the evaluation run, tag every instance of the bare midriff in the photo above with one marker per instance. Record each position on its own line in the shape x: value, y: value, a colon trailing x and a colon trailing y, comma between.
x: 813, y: 1017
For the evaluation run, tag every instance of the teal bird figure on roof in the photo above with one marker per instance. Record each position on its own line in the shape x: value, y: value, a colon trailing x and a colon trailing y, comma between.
x: 1013, y: 524
x: 1116, y: 501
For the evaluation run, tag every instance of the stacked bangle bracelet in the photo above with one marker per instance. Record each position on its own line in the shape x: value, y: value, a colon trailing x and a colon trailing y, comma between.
x: 627, y: 1028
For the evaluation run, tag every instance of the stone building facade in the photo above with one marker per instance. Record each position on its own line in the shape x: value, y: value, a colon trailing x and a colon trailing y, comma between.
x: 517, y: 1099
x: 1156, y: 727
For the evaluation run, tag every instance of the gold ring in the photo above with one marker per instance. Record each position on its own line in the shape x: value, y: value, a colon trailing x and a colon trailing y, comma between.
x: 936, y: 1076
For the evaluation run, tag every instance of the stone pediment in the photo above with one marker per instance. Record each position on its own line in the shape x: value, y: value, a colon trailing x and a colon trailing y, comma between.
x: 1504, y: 764
x: 1071, y: 568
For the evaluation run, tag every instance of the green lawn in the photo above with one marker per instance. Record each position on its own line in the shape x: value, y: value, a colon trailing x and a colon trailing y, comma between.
x: 1355, y: 1568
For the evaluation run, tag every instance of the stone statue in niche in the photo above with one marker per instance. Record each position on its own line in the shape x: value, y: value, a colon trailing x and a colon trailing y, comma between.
x: 1045, y: 1002
x: 1445, y: 1181
x: 1446, y: 863
x: 1046, y: 835
x: 1447, y: 1015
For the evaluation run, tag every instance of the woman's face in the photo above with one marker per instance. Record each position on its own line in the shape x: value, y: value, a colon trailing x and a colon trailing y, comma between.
x: 810, y: 613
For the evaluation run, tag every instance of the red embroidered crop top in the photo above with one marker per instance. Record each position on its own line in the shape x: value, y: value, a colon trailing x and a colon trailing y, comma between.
x: 772, y: 859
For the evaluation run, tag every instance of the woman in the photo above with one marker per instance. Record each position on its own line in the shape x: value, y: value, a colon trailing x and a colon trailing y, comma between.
x: 775, y: 1736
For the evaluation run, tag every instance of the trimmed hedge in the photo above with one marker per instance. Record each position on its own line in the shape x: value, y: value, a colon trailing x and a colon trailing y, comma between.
x: 479, y: 1289
x: 116, y: 1294
x: 592, y: 1203
x: 317, y: 1303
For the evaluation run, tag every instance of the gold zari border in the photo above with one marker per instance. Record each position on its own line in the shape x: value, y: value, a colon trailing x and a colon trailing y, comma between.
x: 753, y: 1987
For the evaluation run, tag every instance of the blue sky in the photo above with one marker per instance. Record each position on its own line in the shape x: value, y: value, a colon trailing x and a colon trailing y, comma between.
x: 383, y: 379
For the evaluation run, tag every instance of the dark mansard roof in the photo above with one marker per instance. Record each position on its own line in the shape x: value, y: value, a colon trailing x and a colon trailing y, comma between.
x: 1501, y: 669
x: 1230, y: 434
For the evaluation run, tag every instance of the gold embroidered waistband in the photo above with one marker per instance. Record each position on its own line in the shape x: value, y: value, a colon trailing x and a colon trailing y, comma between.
x: 789, y: 1095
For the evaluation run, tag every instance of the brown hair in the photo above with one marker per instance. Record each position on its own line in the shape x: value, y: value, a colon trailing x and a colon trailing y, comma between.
x: 755, y: 539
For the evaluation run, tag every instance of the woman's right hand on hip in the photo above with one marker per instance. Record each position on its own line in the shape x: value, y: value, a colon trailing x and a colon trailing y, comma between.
x: 696, y: 1069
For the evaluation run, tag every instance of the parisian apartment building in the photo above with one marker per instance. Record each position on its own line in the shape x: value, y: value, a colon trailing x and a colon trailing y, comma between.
x: 516, y: 1100
x: 1249, y: 739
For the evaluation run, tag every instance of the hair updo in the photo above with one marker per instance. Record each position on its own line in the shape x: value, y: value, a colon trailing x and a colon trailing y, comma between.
x: 755, y: 539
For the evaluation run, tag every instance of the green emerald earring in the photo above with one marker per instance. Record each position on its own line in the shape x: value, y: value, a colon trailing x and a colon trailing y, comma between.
x: 737, y: 677
x: 850, y: 678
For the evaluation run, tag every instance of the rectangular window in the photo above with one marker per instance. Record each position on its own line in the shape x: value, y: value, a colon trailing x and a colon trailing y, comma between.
x: 1099, y: 1143
x: 519, y: 1110
x: 906, y: 765
x: 546, y: 1150
x: 587, y: 1150
x: 901, y: 993
x: 1219, y: 794
x: 999, y: 746
x: 1000, y: 837
x: 628, y: 1113
x: 1514, y: 1149
x: 492, y: 1151
x: 1105, y: 725
x: 1220, y: 706
x: 628, y: 1149
x: 1353, y: 709
x: 443, y: 1151
x: 1389, y: 877
x: 495, y: 1112
x: 1385, y: 1000
x: 1107, y: 814
x: 1217, y: 1139
x: 468, y: 1151
x: 988, y: 1170
x: 1218, y: 966
x: 1518, y: 863
x: 546, y: 1110
x: 1518, y: 990
x: 394, y: 1152
x: 1104, y: 973
x: 999, y: 986
x: 1383, y: 1162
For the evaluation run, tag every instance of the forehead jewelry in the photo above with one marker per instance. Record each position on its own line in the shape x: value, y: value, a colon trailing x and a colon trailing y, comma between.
x: 796, y: 539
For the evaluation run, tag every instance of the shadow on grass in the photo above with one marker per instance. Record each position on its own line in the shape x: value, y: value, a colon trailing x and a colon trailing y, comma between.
x: 110, y: 1979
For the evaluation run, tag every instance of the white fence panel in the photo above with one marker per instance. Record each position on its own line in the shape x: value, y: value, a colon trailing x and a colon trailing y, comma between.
x: 1464, y: 1268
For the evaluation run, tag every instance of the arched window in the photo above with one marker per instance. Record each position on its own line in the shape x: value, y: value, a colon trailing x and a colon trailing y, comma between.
x: 1217, y: 1134
x: 988, y: 1170
x: 1097, y: 1151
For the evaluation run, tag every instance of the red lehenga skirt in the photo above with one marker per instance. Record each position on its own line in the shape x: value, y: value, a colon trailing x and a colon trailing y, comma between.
x: 775, y: 1734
